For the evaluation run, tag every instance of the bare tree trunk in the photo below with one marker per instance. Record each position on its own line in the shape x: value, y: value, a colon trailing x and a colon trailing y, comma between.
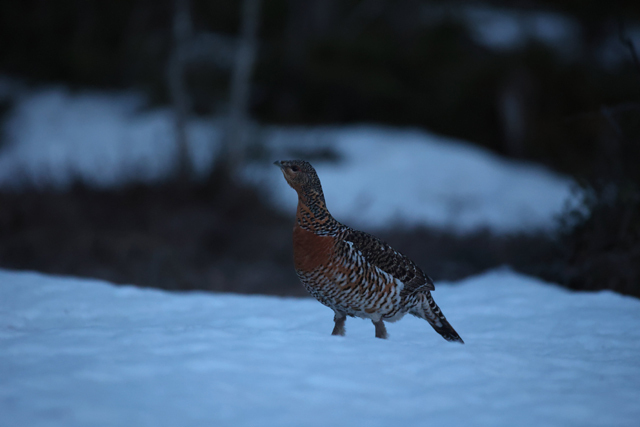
x: 235, y: 139
x: 182, y: 34
x: 516, y: 107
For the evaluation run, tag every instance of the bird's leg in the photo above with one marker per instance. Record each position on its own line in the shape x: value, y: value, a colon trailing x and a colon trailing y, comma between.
x: 381, y: 330
x: 339, y: 318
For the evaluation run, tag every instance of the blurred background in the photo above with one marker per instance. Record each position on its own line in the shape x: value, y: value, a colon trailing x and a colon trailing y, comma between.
x: 137, y: 137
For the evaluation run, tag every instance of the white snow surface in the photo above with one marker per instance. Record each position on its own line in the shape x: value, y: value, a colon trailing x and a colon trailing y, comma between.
x: 384, y: 176
x: 81, y: 352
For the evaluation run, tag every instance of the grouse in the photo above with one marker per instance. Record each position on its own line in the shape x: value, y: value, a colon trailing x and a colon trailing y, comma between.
x: 352, y: 272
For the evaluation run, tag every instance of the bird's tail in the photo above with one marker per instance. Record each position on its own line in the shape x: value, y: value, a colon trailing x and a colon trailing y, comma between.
x: 428, y: 310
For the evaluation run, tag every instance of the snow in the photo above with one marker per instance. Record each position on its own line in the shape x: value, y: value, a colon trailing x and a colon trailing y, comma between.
x: 504, y: 29
x: 105, y: 139
x: 384, y: 176
x: 84, y: 352
x: 410, y: 177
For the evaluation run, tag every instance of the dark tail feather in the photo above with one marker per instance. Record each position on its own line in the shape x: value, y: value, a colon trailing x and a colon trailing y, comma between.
x: 429, y: 311
x: 447, y: 332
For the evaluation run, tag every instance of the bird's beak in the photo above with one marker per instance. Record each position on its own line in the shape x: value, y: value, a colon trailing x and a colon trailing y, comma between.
x: 278, y: 163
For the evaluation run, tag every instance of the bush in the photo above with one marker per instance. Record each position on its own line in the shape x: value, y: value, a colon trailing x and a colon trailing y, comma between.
x: 601, y: 236
x: 602, y: 243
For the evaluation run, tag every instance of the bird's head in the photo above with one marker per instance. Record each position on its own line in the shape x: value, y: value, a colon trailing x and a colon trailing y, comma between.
x: 300, y: 175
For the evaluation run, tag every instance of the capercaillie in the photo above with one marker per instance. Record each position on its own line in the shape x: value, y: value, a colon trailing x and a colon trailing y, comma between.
x: 352, y: 272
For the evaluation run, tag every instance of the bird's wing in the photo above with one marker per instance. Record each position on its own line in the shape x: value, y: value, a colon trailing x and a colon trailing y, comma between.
x: 387, y: 259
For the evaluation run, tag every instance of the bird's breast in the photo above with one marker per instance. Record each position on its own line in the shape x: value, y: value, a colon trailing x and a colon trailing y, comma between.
x: 311, y: 250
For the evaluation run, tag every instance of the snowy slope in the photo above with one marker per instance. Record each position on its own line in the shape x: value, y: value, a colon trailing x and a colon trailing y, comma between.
x: 86, y: 353
x: 409, y: 177
x: 385, y: 176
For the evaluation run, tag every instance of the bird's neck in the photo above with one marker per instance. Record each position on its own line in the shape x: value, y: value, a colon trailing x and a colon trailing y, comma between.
x: 313, y: 215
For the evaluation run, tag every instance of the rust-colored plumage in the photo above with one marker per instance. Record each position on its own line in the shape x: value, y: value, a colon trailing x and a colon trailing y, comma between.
x: 352, y: 272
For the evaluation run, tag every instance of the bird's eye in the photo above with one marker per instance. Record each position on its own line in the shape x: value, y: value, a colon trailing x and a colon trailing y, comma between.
x: 295, y: 168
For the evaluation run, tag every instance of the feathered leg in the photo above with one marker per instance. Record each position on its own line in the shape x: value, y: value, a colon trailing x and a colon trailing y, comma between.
x: 340, y: 319
x: 381, y: 330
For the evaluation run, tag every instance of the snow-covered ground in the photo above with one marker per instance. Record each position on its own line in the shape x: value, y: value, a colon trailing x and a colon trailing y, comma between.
x: 86, y: 353
x: 385, y: 176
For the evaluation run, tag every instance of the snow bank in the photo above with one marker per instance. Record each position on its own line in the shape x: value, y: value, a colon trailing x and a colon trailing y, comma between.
x: 504, y: 29
x: 82, y: 352
x: 385, y: 176
x: 409, y: 177
x: 104, y: 139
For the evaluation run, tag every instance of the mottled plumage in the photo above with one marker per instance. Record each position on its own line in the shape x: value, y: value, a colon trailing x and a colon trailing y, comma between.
x: 352, y: 272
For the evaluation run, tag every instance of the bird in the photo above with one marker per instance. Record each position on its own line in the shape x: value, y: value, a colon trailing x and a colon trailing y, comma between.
x: 352, y: 272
